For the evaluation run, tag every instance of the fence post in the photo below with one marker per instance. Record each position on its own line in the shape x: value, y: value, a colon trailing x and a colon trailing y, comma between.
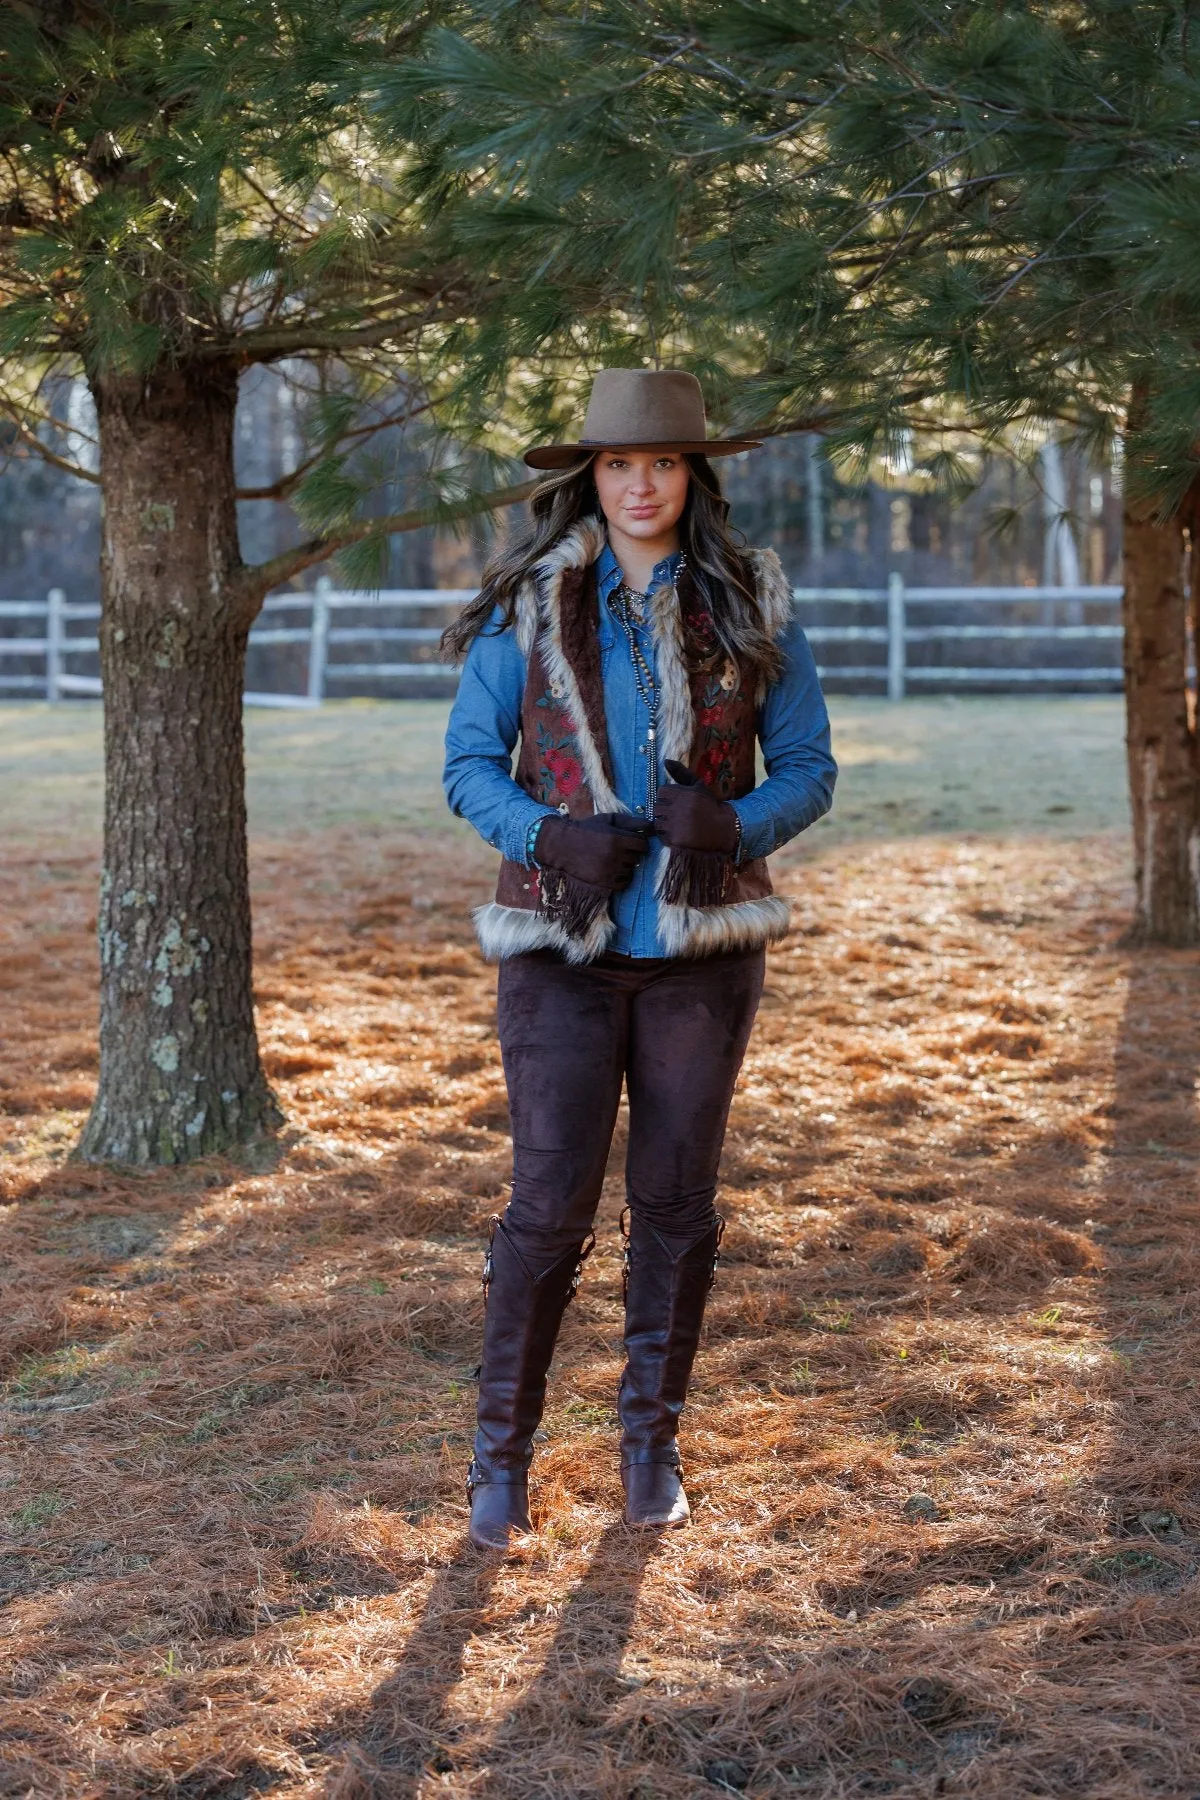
x: 55, y: 600
x: 896, y: 630
x: 318, y: 641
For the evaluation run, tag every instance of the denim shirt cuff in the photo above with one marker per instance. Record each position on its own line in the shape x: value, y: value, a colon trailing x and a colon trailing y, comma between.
x: 520, y: 829
x: 758, y: 834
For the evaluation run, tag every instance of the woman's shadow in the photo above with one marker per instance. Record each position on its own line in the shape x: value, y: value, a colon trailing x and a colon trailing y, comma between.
x: 580, y: 1682
x: 385, y: 1747
x: 404, y: 1733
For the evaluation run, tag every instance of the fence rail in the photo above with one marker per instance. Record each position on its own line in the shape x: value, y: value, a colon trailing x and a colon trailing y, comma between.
x: 56, y: 646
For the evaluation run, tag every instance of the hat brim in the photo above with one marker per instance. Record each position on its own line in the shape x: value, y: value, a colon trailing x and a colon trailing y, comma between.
x: 561, y: 456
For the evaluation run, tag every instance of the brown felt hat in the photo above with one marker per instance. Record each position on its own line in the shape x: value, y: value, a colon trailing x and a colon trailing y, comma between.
x: 641, y: 409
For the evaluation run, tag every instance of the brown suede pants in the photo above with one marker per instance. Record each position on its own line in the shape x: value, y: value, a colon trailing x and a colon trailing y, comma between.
x: 675, y: 1030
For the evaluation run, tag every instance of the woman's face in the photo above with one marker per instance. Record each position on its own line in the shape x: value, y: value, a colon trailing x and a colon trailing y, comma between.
x: 642, y: 492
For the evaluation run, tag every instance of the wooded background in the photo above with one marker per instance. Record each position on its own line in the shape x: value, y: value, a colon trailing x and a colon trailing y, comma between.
x: 829, y: 530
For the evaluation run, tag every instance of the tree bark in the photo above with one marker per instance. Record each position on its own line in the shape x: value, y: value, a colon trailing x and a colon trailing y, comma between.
x: 180, y: 1074
x: 1160, y: 739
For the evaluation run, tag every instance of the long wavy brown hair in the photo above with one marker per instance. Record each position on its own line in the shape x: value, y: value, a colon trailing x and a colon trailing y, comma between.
x: 714, y: 557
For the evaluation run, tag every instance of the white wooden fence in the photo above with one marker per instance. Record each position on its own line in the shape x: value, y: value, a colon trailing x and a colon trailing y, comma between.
x: 56, y: 646
x: 897, y: 633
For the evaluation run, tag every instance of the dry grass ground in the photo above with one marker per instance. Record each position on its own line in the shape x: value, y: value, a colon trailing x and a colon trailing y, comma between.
x: 942, y: 1447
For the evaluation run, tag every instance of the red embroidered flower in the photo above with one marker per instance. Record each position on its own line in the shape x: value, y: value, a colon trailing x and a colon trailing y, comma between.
x: 566, y: 770
x: 701, y: 626
x: 712, y: 764
x: 709, y: 715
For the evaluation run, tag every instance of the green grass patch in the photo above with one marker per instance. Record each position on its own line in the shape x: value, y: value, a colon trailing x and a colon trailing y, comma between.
x: 54, y: 1371
x: 37, y: 1511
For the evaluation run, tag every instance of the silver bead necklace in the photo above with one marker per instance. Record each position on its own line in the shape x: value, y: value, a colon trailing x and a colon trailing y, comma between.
x: 632, y: 603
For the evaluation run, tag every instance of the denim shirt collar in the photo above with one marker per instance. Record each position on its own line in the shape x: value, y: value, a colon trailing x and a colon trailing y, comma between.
x: 609, y: 576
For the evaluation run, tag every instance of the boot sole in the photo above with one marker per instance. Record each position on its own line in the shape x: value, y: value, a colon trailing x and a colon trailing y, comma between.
x: 489, y: 1546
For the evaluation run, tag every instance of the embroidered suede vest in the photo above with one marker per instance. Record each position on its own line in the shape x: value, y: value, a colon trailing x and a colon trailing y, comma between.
x: 708, y: 710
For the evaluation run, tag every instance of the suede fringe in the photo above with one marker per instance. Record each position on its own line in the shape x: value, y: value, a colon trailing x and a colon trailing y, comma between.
x: 572, y: 904
x: 695, y: 878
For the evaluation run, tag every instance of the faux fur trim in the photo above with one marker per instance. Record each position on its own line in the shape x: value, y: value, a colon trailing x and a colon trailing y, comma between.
x: 677, y: 721
x: 706, y: 931
x: 505, y: 931
x: 526, y: 617
x: 774, y: 591
x: 576, y: 549
x: 583, y: 544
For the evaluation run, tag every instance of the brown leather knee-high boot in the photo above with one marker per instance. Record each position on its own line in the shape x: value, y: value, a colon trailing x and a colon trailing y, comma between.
x: 666, y: 1290
x: 523, y: 1310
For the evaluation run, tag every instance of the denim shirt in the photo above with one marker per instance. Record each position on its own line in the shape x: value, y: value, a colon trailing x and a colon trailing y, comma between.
x: 485, y: 723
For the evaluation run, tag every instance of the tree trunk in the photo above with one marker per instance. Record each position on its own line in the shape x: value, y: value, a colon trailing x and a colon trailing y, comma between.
x: 1160, y: 737
x: 179, y: 1067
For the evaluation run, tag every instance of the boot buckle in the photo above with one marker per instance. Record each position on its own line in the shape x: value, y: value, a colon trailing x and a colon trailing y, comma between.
x: 486, y: 1279
x: 585, y: 1250
x: 712, y: 1280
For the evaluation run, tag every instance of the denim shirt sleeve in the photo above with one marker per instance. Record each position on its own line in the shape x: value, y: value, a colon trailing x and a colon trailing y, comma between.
x: 793, y: 729
x: 484, y: 725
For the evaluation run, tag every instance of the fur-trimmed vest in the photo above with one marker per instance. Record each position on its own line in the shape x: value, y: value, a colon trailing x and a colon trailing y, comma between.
x: 707, y: 719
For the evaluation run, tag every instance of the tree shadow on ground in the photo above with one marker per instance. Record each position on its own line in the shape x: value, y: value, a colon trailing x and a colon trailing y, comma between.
x: 1149, y: 1230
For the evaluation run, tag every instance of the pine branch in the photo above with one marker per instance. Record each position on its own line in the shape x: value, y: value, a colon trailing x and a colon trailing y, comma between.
x: 1044, y: 256
x: 302, y: 230
x: 257, y: 580
x: 288, y: 483
x: 300, y: 339
x: 34, y: 443
x: 40, y: 416
x: 16, y: 215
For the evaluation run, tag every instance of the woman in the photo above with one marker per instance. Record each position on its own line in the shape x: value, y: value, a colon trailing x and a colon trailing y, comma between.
x: 637, y: 655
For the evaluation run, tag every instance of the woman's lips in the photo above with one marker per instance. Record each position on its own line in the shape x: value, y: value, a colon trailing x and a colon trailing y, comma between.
x: 641, y: 512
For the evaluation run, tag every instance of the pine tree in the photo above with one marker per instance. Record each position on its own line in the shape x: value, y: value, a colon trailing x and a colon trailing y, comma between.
x: 904, y: 221
x: 188, y: 190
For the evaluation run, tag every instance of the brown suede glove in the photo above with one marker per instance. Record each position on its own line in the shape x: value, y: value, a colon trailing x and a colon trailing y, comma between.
x: 688, y: 817
x: 602, y: 851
